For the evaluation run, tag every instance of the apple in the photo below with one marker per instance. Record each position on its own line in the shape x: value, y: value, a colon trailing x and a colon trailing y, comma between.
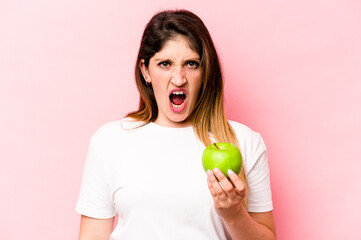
x: 223, y: 156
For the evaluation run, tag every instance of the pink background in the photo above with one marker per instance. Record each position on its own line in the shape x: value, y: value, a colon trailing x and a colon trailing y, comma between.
x: 292, y: 72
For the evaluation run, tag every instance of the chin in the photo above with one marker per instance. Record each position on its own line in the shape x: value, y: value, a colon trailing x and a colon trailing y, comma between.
x: 178, y: 119
x: 181, y: 118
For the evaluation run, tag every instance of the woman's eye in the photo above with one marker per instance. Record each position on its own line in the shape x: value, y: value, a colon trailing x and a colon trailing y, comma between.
x: 193, y: 64
x: 164, y: 64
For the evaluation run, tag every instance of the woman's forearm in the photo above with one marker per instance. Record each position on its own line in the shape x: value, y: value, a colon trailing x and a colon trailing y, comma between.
x: 244, y: 227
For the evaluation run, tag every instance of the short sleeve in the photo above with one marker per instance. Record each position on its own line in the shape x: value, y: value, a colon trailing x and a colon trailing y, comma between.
x: 95, y: 197
x: 258, y: 177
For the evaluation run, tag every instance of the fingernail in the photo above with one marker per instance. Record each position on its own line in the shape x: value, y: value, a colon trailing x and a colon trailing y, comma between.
x: 216, y: 170
x: 209, y: 173
x: 230, y: 172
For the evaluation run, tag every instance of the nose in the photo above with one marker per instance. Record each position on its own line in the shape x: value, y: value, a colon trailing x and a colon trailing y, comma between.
x: 178, y: 77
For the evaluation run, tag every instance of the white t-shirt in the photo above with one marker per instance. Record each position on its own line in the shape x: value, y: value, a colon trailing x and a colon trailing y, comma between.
x: 152, y: 176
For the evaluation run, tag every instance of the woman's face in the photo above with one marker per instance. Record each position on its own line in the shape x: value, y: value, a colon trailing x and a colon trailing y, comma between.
x: 176, y: 77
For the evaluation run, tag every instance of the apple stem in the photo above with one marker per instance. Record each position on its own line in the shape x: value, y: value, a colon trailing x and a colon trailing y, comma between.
x: 216, y: 145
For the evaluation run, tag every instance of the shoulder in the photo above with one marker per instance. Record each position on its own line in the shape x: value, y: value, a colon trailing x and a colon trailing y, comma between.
x: 242, y: 131
x: 128, y: 123
x: 114, y: 130
x: 251, y: 144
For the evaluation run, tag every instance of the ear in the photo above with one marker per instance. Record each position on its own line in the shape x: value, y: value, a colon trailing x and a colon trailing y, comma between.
x: 144, y: 71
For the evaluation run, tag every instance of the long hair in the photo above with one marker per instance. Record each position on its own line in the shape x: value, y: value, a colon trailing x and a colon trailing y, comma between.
x: 208, y: 116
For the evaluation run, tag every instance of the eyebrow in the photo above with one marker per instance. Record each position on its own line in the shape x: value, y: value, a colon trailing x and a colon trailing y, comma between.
x: 168, y: 59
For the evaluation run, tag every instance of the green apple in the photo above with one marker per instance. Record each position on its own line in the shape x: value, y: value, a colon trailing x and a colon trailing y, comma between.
x: 223, y: 156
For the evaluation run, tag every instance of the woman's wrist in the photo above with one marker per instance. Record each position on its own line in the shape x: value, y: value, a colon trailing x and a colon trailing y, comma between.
x: 237, y: 217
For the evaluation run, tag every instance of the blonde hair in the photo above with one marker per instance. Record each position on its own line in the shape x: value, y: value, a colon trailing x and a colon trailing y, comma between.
x: 208, y: 117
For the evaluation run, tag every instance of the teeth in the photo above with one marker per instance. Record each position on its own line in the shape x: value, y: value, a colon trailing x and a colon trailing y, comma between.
x: 177, y: 106
x: 178, y: 92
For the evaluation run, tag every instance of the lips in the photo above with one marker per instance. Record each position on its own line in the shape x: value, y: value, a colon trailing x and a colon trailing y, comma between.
x: 177, y: 99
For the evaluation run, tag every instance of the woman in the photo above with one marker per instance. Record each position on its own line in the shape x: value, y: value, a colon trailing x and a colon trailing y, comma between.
x: 147, y: 166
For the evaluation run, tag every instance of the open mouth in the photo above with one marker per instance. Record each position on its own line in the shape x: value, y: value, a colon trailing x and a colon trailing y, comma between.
x: 177, y: 99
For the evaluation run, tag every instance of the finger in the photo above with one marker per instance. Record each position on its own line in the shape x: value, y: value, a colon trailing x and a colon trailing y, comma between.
x: 226, y: 184
x: 216, y: 187
x: 237, y: 182
x: 210, y: 187
x: 216, y: 200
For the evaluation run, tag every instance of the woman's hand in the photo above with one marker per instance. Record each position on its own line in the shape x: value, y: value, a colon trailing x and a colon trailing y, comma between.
x: 227, y: 196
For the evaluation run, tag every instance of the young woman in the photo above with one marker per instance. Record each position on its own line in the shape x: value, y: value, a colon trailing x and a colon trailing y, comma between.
x: 147, y: 167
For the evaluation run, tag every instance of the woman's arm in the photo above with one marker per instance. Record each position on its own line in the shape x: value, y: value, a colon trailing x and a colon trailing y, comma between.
x: 252, y: 226
x: 228, y: 204
x: 95, y: 229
